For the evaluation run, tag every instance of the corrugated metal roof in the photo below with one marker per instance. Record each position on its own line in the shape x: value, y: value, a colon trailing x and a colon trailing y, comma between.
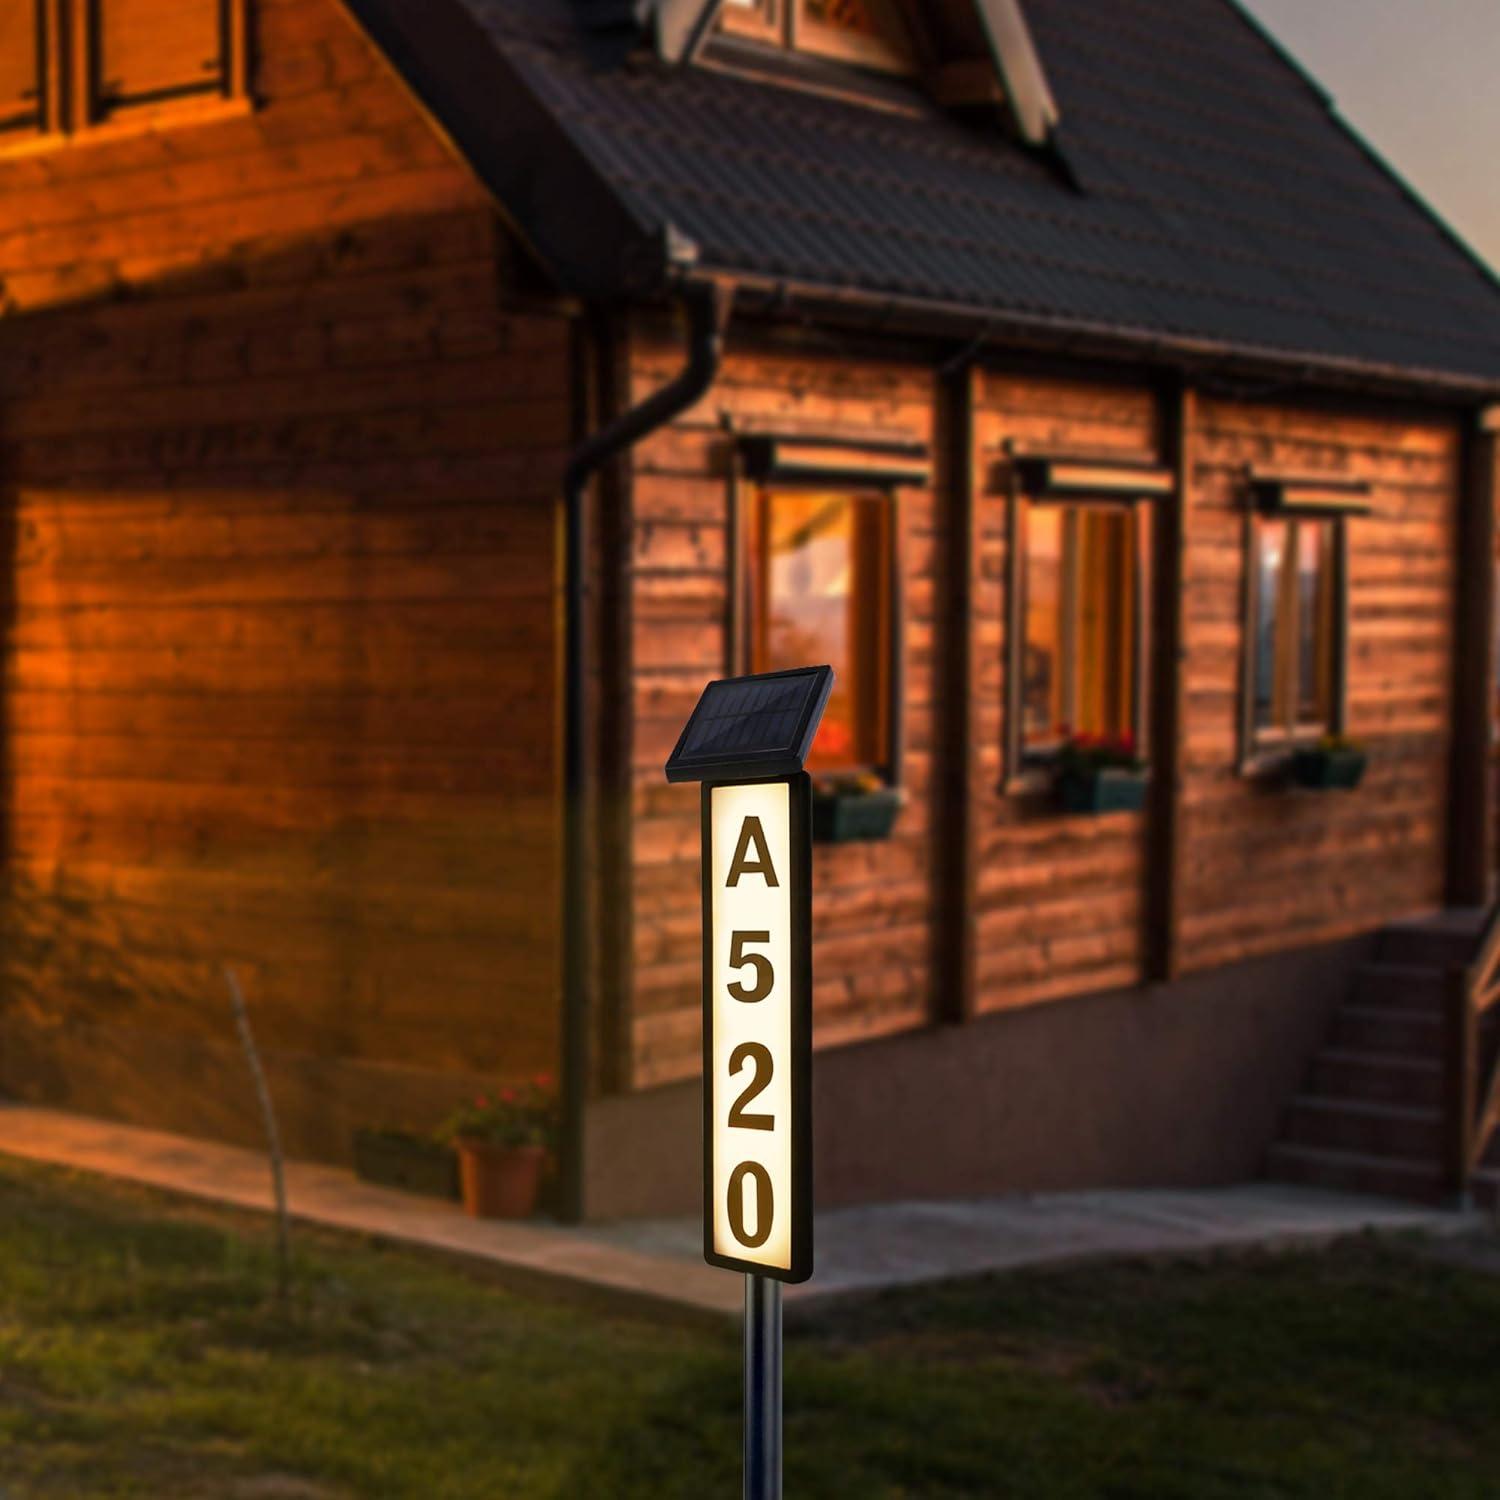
x: 1223, y: 202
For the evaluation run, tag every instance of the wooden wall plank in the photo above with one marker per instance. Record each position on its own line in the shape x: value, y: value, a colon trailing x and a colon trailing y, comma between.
x: 872, y: 904
x: 1267, y: 867
x: 279, y: 446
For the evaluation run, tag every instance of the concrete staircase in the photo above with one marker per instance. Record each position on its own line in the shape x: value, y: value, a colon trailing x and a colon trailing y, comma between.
x: 1369, y: 1117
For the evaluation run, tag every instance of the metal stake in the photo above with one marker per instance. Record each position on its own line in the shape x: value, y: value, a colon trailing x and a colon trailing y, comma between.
x: 762, y: 1388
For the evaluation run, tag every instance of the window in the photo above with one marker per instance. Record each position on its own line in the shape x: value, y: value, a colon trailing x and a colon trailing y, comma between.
x: 866, y: 32
x: 1078, y: 581
x: 1295, y: 635
x: 1081, y: 586
x: 21, y: 39
x: 70, y: 65
x: 821, y: 570
x: 758, y: 18
x: 146, y: 51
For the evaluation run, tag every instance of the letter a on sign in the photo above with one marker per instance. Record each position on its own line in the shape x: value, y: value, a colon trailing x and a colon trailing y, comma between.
x: 746, y: 742
x: 752, y: 842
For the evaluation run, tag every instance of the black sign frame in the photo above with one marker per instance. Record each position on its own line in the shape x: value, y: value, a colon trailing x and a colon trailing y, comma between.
x: 799, y: 882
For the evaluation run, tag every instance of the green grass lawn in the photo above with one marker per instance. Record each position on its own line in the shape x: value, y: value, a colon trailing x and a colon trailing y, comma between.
x: 139, y: 1356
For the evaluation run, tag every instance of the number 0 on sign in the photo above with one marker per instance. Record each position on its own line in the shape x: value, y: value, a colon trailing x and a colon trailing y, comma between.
x: 746, y: 742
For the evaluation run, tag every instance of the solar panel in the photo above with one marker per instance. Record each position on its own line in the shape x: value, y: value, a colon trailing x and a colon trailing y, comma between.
x: 745, y: 727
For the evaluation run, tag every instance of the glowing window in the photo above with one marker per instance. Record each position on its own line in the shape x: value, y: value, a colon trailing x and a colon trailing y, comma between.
x: 821, y: 568
x: 1294, y: 627
x: 867, y: 32
x: 1081, y: 580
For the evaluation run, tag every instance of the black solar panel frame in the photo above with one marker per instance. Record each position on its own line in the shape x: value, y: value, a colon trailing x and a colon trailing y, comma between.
x: 741, y: 764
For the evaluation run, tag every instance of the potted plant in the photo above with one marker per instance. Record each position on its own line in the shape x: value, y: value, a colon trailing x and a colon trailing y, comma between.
x: 1336, y: 762
x: 860, y: 805
x: 504, y: 1141
x: 411, y: 1163
x: 1099, y: 773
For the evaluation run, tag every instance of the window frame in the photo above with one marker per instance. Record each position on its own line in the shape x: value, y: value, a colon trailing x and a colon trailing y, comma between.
x: 782, y: 24
x: 1134, y: 489
x: 766, y: 22
x: 1267, y: 749
x: 854, y: 464
x: 72, y: 108
x: 882, y: 595
x: 21, y: 128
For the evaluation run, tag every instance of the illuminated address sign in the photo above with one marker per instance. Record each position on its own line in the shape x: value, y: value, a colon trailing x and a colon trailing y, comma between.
x: 746, y: 742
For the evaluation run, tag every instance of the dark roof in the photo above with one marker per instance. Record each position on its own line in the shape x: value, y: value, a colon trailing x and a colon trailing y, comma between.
x: 1220, y: 205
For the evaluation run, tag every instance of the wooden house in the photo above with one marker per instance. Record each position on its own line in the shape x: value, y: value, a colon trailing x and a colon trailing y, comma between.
x: 406, y: 406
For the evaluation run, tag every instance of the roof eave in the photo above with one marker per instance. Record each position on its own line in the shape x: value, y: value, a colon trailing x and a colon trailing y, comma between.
x: 897, y: 313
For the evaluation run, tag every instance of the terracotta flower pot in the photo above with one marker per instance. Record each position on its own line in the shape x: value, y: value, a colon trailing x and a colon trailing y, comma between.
x: 500, y: 1182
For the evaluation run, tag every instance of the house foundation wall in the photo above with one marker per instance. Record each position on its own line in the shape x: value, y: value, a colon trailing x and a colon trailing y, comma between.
x: 1177, y: 1085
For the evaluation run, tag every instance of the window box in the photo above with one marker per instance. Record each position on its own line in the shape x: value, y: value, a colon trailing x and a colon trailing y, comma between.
x: 409, y: 1163
x: 1102, y: 789
x: 1329, y: 768
x: 847, y: 816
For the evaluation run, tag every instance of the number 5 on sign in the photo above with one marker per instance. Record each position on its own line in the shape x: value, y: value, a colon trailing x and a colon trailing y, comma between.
x: 757, y: 1034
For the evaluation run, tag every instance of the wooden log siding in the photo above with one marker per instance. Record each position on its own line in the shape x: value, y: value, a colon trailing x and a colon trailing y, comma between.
x: 279, y: 672
x: 1059, y: 902
x: 1263, y: 868
x: 872, y: 903
x: 1060, y: 898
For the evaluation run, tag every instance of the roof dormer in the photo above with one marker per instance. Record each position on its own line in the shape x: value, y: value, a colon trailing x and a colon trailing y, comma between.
x: 969, y: 55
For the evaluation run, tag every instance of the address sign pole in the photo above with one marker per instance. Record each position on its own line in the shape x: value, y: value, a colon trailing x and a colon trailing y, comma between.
x: 747, y: 742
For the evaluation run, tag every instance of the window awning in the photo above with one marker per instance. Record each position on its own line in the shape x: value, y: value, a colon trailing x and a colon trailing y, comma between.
x: 1275, y: 494
x: 801, y: 459
x: 1060, y: 477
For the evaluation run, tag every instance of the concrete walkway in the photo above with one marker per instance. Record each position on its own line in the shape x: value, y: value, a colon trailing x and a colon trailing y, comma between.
x: 659, y: 1264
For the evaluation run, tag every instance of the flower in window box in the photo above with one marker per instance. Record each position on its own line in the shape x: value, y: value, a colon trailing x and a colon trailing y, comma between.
x: 1335, y: 763
x: 853, y: 806
x: 1099, y: 773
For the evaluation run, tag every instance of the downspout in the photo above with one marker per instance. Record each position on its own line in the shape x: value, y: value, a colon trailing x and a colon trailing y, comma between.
x: 707, y: 305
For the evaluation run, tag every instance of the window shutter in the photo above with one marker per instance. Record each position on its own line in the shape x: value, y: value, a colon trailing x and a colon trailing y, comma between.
x: 20, y: 66
x: 158, y: 49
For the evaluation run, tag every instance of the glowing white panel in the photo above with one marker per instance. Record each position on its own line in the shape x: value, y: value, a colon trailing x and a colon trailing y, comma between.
x: 750, y: 1009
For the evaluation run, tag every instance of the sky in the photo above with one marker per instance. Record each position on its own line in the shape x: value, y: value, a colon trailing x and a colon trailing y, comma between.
x: 1420, y: 80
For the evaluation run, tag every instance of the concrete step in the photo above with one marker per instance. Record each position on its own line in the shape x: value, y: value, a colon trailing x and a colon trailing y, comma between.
x: 1399, y: 987
x: 1486, y: 1189
x: 1380, y: 1077
x: 1430, y: 943
x: 1409, y: 1033
x: 1351, y: 1172
x: 1369, y: 1129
